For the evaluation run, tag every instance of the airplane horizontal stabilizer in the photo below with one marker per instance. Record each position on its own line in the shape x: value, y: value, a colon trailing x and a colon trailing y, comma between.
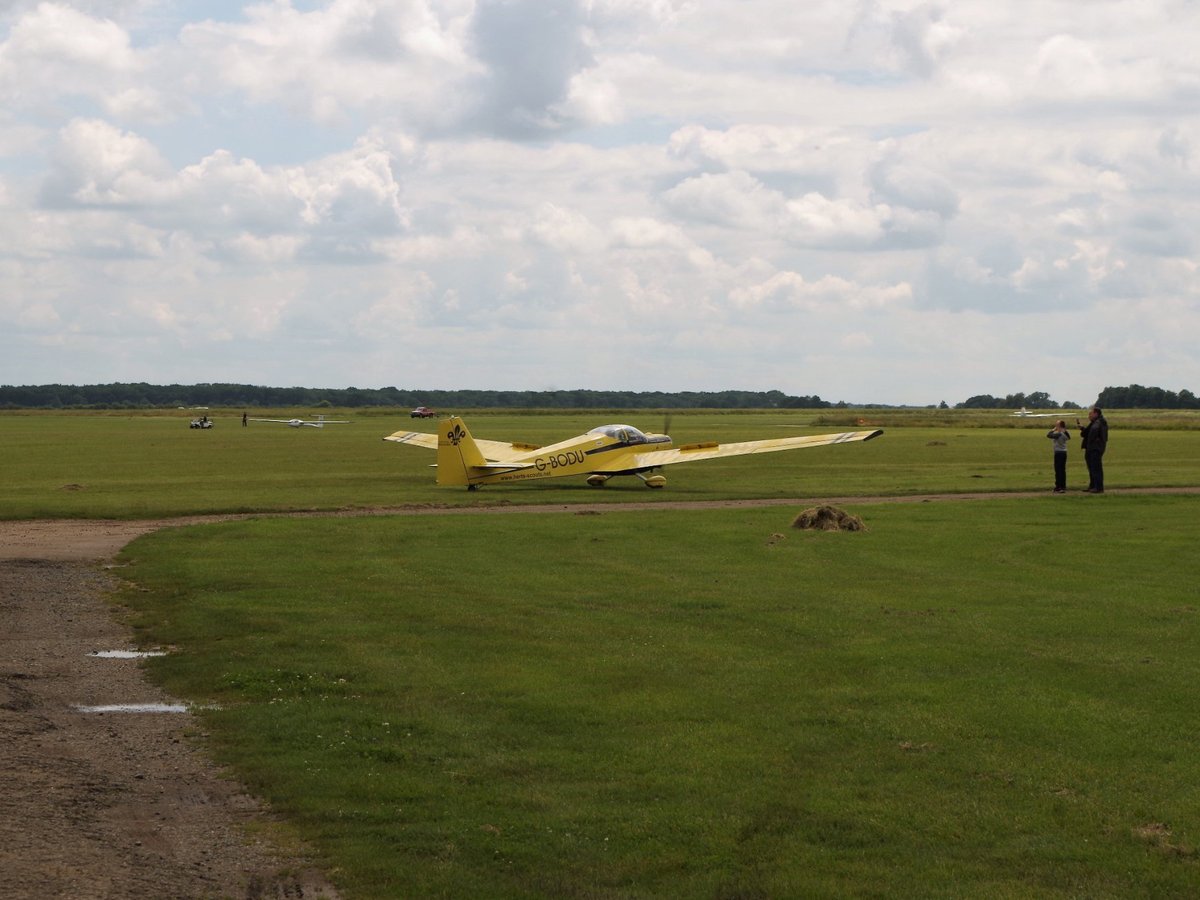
x: 493, y: 451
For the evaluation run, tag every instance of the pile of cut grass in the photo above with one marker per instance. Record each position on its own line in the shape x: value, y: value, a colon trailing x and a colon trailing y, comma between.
x: 828, y: 518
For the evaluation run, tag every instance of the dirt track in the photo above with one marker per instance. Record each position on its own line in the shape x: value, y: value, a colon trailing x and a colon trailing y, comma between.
x: 116, y: 804
x: 119, y: 804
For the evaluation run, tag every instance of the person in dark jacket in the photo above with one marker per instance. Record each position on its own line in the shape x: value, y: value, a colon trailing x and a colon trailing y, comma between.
x: 1060, y: 436
x: 1095, y: 442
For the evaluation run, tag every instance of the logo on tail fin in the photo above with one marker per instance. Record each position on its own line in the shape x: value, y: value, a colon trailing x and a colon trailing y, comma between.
x: 456, y: 435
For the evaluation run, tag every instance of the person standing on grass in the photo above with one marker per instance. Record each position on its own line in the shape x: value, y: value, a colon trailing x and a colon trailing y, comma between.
x: 1060, y: 436
x: 1095, y: 442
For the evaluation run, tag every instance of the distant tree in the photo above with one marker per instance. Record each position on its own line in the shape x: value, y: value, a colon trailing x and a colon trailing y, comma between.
x: 980, y: 401
x: 813, y: 402
x: 1033, y: 400
x: 1136, y: 396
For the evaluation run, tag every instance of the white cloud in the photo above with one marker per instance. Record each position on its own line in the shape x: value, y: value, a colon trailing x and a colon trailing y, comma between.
x: 919, y: 37
x: 645, y: 233
x: 531, y: 52
x: 1069, y: 67
x: 785, y: 290
x: 915, y: 186
x: 818, y: 221
x: 406, y: 56
x: 56, y: 52
x: 340, y: 205
x: 911, y: 186
x: 96, y: 164
x: 769, y: 148
x: 55, y: 35
x: 590, y: 99
x: 355, y: 192
x: 734, y: 199
x: 566, y: 230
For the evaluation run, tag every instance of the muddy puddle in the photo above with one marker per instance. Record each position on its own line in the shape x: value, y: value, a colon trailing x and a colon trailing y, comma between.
x: 134, y: 708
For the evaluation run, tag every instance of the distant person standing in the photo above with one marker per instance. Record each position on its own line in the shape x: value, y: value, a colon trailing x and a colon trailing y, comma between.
x: 1060, y: 436
x: 243, y: 420
x: 1095, y: 442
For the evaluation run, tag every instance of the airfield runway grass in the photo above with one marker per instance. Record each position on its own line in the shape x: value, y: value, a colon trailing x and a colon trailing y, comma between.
x: 150, y: 465
x: 984, y: 699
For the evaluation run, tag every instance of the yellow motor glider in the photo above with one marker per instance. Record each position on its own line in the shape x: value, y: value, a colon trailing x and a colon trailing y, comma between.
x: 600, y: 454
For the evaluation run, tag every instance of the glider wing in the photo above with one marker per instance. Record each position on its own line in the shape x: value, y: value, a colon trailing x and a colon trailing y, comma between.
x: 714, y: 450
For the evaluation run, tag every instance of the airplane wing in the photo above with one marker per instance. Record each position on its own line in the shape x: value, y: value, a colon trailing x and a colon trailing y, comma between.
x: 280, y: 421
x: 504, y: 452
x: 714, y: 450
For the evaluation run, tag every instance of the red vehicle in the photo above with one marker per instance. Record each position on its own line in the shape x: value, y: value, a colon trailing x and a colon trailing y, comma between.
x: 422, y: 412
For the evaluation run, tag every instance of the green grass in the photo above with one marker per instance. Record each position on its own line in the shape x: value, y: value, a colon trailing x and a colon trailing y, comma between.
x: 139, y: 465
x: 970, y: 699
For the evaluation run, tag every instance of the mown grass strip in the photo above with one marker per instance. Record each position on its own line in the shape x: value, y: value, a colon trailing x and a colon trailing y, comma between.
x: 141, y: 466
x: 970, y: 699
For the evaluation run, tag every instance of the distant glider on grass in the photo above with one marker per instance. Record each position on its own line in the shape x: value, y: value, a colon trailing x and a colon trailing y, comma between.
x: 303, y: 423
x: 1023, y: 413
x: 599, y: 454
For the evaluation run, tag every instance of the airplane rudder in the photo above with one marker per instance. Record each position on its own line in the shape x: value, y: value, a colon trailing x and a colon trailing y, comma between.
x: 472, y: 455
x: 456, y: 452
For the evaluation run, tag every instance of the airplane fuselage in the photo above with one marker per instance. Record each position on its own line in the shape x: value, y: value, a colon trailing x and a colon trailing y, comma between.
x: 584, y: 454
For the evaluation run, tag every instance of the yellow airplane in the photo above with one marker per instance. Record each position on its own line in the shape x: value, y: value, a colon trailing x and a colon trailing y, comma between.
x: 600, y: 454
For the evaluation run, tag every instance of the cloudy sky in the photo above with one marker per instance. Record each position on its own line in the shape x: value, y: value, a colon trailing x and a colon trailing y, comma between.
x: 869, y: 200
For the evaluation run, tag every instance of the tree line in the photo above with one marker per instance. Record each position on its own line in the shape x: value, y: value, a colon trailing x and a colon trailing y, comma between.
x: 140, y: 395
x: 1133, y: 396
x: 245, y: 396
x: 1034, y: 400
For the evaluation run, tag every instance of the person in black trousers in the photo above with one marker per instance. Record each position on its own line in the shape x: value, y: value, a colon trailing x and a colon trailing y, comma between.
x: 1095, y: 442
x: 1060, y: 436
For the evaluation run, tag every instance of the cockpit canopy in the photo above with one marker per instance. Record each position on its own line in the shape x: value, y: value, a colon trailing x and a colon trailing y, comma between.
x: 627, y: 434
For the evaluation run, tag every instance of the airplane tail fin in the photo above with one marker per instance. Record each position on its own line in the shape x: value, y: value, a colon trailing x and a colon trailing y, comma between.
x: 456, y: 453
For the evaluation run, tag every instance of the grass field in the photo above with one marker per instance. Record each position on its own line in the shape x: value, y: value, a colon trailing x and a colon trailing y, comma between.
x: 139, y: 466
x: 986, y: 699
x: 971, y: 699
